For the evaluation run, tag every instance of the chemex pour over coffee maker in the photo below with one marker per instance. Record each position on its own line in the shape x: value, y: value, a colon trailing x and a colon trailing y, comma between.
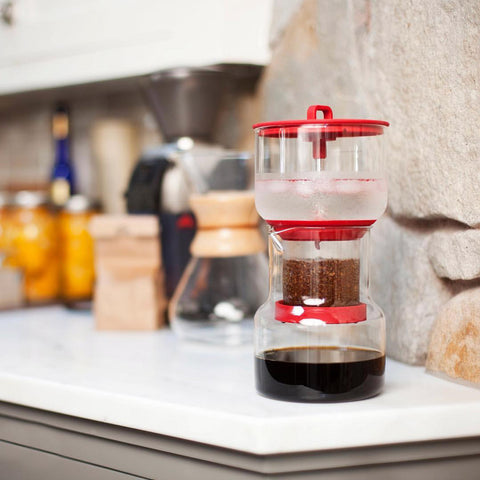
x: 226, y: 280
x: 319, y: 186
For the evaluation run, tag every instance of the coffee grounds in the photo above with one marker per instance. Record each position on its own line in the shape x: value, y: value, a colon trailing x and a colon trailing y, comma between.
x: 335, y: 281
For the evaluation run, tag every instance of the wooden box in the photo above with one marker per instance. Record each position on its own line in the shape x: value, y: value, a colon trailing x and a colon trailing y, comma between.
x: 129, y: 289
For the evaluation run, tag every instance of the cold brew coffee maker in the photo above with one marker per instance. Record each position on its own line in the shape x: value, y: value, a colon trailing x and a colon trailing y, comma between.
x: 319, y: 185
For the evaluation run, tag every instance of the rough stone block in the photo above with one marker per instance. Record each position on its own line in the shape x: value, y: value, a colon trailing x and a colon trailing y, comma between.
x: 455, y: 344
x: 428, y: 90
x: 364, y: 58
x: 456, y: 255
x: 405, y: 286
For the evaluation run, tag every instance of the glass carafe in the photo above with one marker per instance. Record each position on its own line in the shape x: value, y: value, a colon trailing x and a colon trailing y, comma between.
x: 319, y: 185
x: 226, y: 279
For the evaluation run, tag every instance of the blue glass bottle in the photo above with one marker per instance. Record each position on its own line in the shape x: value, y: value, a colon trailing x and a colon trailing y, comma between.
x: 62, y: 179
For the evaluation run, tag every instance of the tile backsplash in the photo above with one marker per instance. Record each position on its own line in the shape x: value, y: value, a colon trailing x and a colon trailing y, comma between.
x: 27, y: 149
x: 26, y: 144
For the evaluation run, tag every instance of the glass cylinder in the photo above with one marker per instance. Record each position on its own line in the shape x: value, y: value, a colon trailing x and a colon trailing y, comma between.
x: 320, y: 187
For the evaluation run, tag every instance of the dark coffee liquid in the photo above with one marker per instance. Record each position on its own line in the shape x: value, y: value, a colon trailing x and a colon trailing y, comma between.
x: 319, y: 374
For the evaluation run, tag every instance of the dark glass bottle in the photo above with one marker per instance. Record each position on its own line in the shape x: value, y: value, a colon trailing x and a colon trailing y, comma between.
x: 62, y: 179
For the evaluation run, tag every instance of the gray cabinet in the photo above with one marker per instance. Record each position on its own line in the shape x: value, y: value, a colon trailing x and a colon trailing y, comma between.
x: 35, y: 444
x: 22, y: 463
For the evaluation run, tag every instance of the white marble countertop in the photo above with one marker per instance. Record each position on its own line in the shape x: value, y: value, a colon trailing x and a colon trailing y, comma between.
x: 54, y: 360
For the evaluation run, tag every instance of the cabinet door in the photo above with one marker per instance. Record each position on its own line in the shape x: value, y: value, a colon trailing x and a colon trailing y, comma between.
x: 21, y: 463
x: 52, y: 43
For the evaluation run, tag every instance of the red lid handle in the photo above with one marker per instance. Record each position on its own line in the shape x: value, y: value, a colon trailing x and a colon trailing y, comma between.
x: 313, y: 109
x: 319, y: 147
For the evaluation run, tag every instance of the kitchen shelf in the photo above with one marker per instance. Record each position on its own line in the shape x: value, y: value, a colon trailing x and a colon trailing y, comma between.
x: 56, y: 371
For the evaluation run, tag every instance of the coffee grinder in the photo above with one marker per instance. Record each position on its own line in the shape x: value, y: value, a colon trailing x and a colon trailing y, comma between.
x: 185, y: 103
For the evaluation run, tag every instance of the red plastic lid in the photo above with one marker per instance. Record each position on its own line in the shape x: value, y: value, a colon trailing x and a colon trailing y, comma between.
x: 333, y: 127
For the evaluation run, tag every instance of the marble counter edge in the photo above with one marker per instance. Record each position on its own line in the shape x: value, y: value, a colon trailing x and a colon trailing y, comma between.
x: 261, y: 436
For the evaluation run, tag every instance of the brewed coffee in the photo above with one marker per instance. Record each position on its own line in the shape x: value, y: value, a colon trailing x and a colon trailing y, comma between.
x: 320, y: 374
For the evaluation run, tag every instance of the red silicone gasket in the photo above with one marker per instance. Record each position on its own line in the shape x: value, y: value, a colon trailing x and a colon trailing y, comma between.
x: 327, y: 315
x: 330, y: 230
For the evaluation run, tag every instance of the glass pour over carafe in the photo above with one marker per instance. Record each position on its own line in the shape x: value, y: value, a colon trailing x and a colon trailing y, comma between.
x: 319, y: 186
x: 226, y: 279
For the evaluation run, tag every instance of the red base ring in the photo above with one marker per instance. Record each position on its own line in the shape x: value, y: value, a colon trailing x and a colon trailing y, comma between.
x: 320, y: 315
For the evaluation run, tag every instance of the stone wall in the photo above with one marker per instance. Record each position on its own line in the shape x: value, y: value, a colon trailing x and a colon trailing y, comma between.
x: 416, y: 65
